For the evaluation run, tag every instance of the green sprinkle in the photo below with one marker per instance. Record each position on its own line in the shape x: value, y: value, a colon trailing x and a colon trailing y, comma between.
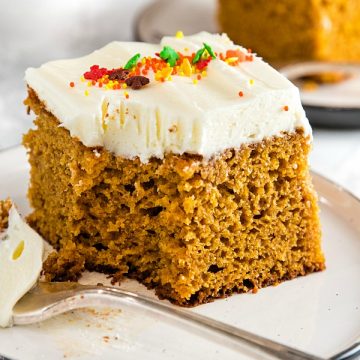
x: 198, y: 55
x: 169, y: 55
x: 132, y: 62
x: 210, y: 50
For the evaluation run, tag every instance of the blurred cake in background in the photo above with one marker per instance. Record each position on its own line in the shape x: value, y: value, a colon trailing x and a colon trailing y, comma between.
x: 287, y: 30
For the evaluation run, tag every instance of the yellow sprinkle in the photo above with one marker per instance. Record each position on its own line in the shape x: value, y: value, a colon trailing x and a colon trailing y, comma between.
x: 181, y: 73
x: 170, y: 78
x: 251, y: 81
x: 195, y: 81
x: 89, y: 83
x: 204, y: 73
x: 126, y: 93
x: 143, y: 61
x: 179, y: 35
x: 109, y: 86
x: 86, y: 93
x: 124, y: 86
x: 186, y: 49
x: 232, y: 60
x: 82, y: 79
x: 186, y: 67
x: 163, y: 74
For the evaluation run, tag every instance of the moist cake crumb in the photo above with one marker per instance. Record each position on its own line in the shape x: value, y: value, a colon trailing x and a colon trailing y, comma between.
x: 5, y: 206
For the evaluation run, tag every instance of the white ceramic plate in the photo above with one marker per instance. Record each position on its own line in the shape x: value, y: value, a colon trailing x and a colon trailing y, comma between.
x: 319, y: 313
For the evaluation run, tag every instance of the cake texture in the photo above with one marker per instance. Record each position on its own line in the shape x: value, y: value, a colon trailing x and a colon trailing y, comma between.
x: 194, y: 183
x: 288, y: 30
x: 5, y: 206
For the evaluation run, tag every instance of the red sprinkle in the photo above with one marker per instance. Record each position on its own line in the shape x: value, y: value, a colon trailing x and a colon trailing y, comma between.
x: 72, y: 84
x: 202, y: 64
x: 241, y: 94
x: 95, y: 73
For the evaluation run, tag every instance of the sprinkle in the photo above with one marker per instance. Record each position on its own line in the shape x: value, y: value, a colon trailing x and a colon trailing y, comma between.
x: 86, y: 92
x: 202, y: 64
x: 162, y: 75
x: 124, y: 85
x: 118, y: 74
x: 209, y: 50
x: 203, y: 73
x: 95, y: 73
x: 186, y: 68
x: 132, y: 62
x: 286, y: 108
x: 82, y: 79
x: 137, y: 82
x: 169, y: 55
x: 232, y: 60
x: 195, y: 81
x: 72, y: 84
x: 179, y: 35
x: 251, y: 81
x: 241, y: 94
x: 199, y: 77
x: 198, y: 55
x: 126, y: 94
x: 89, y: 83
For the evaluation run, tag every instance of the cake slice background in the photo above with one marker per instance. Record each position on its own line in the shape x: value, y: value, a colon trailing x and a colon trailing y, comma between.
x: 196, y: 184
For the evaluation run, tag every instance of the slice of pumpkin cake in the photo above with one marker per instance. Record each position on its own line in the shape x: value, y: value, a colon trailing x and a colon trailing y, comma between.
x: 183, y: 165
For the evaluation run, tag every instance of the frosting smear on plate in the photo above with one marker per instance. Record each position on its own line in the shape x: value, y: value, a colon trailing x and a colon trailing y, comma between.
x: 21, y: 253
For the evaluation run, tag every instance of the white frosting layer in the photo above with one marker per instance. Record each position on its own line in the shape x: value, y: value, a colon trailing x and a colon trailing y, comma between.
x: 207, y: 118
x: 21, y: 251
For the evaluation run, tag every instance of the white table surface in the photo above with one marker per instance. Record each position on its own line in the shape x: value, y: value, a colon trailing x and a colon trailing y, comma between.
x: 91, y: 24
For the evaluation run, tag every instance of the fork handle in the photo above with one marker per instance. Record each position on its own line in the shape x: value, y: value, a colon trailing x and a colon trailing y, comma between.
x: 55, y: 302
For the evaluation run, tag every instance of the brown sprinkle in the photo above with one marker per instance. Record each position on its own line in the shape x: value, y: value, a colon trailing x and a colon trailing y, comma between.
x: 119, y: 74
x: 137, y: 82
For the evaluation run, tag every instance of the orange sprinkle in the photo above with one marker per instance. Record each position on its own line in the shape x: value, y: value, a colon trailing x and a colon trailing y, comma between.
x: 286, y: 108
x: 72, y: 84
x: 199, y: 77
x: 241, y: 94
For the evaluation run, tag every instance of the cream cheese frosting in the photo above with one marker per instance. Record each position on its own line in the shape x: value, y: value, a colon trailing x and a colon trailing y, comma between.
x: 176, y: 116
x: 21, y: 252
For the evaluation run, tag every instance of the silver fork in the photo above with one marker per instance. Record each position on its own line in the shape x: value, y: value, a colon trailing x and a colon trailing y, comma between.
x: 46, y: 300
